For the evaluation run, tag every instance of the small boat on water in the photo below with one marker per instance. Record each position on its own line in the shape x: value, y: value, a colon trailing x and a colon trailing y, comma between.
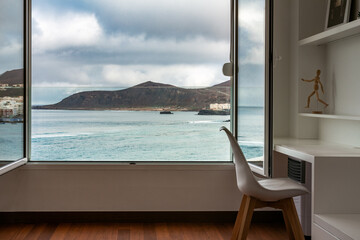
x: 214, y: 112
x: 166, y: 112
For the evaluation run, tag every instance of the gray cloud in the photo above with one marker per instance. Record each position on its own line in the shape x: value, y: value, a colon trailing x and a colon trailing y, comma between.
x: 11, y: 35
x: 83, y: 47
x: 159, y: 18
x: 251, y: 75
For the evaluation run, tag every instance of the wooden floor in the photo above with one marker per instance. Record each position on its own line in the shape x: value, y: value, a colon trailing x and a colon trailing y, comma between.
x: 137, y: 231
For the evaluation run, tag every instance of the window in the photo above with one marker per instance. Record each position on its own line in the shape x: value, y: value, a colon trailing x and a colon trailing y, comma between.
x: 253, y: 83
x: 137, y: 80
x: 11, y: 81
x: 130, y: 80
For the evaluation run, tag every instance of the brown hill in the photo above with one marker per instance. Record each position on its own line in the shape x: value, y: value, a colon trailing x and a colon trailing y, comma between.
x: 12, y: 77
x: 149, y: 96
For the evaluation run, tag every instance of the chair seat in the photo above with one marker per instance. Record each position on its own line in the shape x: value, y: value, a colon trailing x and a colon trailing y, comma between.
x: 280, y: 188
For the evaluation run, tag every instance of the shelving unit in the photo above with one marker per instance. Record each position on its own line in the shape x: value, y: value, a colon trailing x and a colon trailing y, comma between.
x: 336, y: 33
x: 331, y: 116
x: 342, y: 226
x: 334, y: 168
x: 332, y: 34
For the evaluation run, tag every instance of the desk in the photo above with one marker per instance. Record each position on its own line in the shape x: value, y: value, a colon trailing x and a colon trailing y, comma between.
x: 335, y: 182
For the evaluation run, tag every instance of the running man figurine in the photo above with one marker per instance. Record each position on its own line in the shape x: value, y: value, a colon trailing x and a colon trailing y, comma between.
x: 316, y: 81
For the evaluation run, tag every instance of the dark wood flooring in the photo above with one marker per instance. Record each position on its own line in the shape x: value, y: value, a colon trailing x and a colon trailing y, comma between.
x: 137, y: 231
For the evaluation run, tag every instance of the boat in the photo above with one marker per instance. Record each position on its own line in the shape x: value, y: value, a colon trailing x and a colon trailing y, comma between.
x: 166, y: 112
x: 214, y: 112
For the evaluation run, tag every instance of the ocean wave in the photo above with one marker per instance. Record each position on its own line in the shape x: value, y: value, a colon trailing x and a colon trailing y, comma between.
x: 203, y: 122
x: 58, y: 135
x: 251, y: 143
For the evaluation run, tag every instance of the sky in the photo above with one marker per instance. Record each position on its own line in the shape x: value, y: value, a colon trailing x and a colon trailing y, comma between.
x: 11, y: 35
x: 121, y: 43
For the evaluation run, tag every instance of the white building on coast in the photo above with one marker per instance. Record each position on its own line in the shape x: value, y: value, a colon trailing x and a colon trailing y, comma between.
x: 11, y: 106
x: 220, y: 106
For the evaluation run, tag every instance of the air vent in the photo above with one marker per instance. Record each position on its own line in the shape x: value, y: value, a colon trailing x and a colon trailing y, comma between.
x: 296, y: 170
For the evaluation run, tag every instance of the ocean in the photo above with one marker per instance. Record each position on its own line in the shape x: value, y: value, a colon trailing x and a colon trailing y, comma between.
x: 11, y: 141
x: 131, y: 136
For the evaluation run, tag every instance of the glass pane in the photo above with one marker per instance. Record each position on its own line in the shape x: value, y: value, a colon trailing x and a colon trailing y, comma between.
x: 251, y: 79
x: 11, y: 80
x: 126, y: 80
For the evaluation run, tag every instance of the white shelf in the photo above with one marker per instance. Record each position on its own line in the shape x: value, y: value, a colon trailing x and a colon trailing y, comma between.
x: 333, y: 34
x: 310, y: 149
x: 331, y: 116
x: 343, y: 226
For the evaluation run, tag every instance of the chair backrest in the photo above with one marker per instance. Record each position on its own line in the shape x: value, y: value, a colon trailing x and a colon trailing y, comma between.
x: 246, y: 181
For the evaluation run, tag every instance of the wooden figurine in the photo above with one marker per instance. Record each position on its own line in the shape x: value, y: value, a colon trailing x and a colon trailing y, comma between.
x: 317, y: 82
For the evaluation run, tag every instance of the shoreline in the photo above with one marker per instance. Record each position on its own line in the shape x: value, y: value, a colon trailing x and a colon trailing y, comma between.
x: 121, y: 109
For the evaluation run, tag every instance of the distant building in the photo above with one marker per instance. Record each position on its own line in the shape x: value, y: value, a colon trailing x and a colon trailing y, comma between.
x: 11, y: 106
x: 220, y: 106
x: 18, y: 85
x: 4, y: 85
x: 6, y: 112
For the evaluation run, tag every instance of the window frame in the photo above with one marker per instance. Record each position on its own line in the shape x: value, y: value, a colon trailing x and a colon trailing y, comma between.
x: 26, y: 66
x: 234, y: 95
x: 151, y: 163
x: 266, y: 170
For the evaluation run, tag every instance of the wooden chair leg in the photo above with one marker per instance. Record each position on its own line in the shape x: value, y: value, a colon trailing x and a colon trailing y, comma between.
x: 239, y: 217
x: 288, y: 226
x: 292, y: 219
x: 243, y: 218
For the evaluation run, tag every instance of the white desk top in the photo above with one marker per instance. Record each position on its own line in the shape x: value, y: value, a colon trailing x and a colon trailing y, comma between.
x: 308, y: 149
x: 342, y: 226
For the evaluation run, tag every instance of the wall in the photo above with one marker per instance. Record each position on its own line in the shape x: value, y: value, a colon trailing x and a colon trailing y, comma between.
x: 281, y: 68
x: 287, y: 31
x: 294, y: 68
x: 120, y: 188
x: 343, y: 73
x: 311, y: 20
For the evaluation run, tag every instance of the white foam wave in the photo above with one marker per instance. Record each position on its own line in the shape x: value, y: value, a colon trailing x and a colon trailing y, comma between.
x: 56, y: 135
x: 202, y: 122
x: 250, y: 143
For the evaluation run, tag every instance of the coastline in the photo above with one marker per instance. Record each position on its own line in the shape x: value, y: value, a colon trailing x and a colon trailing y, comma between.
x: 120, y: 109
x: 161, y: 110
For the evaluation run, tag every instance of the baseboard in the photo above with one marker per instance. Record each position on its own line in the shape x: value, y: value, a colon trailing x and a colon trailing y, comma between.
x: 129, y: 217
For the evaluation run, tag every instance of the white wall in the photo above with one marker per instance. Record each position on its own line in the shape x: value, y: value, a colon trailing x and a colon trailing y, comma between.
x: 343, y: 73
x: 281, y: 68
x: 287, y: 97
x: 294, y: 68
x: 120, y: 188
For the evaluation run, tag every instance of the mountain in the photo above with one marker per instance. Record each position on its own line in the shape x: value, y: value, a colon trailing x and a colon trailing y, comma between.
x: 12, y: 77
x: 147, y: 96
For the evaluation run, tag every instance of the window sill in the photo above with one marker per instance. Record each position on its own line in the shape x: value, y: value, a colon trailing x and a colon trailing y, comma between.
x: 226, y: 166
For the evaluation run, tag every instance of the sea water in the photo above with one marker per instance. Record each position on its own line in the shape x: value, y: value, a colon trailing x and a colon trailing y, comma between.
x: 11, y: 141
x: 131, y: 136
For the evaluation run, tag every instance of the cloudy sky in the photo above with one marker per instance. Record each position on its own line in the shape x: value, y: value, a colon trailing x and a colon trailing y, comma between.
x: 120, y: 43
x: 11, y: 37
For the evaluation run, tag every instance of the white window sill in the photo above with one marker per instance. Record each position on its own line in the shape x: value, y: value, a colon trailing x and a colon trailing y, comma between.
x: 226, y: 166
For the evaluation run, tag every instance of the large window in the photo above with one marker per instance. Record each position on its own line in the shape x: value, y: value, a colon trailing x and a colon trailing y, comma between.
x: 11, y: 81
x: 130, y: 80
x: 134, y: 80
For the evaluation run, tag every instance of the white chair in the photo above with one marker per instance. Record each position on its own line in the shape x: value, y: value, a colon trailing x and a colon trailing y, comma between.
x: 258, y: 193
